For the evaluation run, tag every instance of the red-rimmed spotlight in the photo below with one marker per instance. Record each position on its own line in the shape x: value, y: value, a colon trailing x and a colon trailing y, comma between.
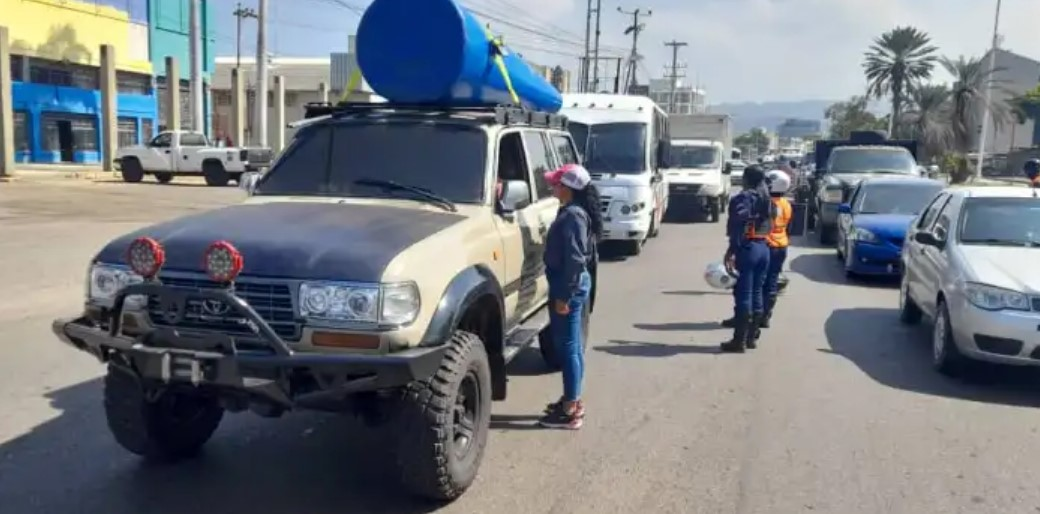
x: 145, y: 257
x: 223, y: 262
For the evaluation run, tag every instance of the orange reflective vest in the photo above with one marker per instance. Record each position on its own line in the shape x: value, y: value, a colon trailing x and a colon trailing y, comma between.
x: 777, y: 237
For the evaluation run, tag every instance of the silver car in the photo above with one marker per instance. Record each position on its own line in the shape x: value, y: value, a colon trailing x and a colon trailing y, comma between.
x: 971, y: 264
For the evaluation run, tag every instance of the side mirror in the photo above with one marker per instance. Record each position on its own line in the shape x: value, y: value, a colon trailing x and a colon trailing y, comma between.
x: 727, y: 169
x: 248, y: 182
x: 845, y: 209
x: 928, y: 238
x: 516, y: 195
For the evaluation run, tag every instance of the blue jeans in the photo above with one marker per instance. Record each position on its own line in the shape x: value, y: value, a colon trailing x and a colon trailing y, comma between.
x: 567, y: 336
x: 752, y: 264
x: 777, y: 256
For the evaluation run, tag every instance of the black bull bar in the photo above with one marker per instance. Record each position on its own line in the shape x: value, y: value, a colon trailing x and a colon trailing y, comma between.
x: 196, y: 356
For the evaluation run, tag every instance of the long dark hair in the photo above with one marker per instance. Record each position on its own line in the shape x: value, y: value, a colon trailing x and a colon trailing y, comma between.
x: 588, y: 200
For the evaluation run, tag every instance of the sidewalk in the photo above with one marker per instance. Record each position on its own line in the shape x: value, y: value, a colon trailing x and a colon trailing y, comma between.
x: 38, y: 172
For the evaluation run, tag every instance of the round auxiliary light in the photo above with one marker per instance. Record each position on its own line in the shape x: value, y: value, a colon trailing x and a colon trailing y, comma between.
x: 222, y: 261
x: 145, y: 257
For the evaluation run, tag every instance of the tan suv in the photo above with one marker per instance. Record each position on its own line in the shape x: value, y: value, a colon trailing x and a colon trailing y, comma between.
x: 389, y: 264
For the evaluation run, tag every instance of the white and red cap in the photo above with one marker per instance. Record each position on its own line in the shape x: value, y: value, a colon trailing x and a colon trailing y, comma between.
x: 574, y: 176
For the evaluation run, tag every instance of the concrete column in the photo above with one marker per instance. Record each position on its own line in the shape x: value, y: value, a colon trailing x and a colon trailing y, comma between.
x: 173, y: 95
x: 279, y: 114
x: 7, y: 148
x: 109, y: 126
x: 323, y: 92
x: 238, y: 109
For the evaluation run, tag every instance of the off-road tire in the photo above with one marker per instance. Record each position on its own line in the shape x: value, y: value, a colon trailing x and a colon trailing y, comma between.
x: 215, y: 174
x: 131, y: 170
x: 164, y: 177
x: 547, y: 346
x: 909, y: 312
x: 425, y: 452
x: 150, y: 428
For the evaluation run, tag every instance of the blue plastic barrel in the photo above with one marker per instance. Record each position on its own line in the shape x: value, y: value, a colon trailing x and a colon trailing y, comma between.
x: 437, y: 52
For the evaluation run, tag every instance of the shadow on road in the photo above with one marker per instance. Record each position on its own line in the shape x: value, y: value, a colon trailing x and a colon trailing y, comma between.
x: 515, y: 422
x: 306, y: 462
x: 695, y: 326
x: 698, y: 293
x: 528, y: 363
x: 825, y: 268
x: 644, y: 349
x: 899, y: 356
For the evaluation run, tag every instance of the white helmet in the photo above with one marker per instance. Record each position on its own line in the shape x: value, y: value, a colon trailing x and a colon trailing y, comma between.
x: 779, y: 181
x: 717, y: 276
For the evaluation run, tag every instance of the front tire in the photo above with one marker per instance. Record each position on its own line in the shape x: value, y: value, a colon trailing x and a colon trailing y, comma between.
x: 946, y: 357
x: 547, y: 345
x: 909, y: 312
x: 714, y: 210
x: 171, y: 427
x: 445, y: 422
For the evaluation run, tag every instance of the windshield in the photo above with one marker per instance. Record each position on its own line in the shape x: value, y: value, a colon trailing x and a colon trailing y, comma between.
x: 611, y: 147
x: 894, y: 198
x: 872, y: 160
x: 695, y: 156
x: 342, y: 159
x: 1000, y: 221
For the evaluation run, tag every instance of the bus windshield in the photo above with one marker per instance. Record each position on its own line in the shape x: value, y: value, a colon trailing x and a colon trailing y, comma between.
x: 612, y: 147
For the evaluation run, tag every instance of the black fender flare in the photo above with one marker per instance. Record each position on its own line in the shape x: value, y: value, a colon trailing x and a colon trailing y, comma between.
x: 464, y: 289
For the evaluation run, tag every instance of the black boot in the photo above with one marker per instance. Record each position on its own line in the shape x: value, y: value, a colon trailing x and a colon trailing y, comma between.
x: 770, y: 303
x: 740, y: 336
x: 728, y: 323
x: 754, y: 331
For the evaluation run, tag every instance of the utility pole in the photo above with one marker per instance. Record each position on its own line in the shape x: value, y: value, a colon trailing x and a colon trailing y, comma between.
x: 241, y: 13
x: 195, y: 35
x: 595, y: 51
x: 986, y: 114
x: 584, y: 69
x: 261, y: 76
x: 673, y: 75
x: 634, y: 30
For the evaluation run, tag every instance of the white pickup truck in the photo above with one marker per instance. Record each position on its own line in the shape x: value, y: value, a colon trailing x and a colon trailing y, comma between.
x: 184, y: 153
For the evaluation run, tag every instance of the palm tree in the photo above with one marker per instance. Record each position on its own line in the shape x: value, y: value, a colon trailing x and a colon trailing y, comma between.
x: 971, y: 78
x: 928, y: 119
x: 895, y: 63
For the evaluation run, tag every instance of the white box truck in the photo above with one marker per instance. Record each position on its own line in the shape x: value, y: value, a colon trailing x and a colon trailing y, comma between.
x: 698, y: 172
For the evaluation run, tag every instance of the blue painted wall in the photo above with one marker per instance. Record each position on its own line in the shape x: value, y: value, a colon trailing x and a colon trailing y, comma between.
x: 37, y: 99
x: 169, y: 23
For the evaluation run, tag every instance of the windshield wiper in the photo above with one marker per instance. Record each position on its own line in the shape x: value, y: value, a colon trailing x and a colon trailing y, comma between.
x: 434, y: 198
x: 1003, y: 242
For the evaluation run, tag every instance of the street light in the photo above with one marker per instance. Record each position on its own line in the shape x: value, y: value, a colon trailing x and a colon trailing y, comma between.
x: 989, y: 93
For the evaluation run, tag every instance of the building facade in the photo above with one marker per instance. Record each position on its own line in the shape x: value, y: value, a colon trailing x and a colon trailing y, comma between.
x: 688, y: 99
x: 555, y: 75
x: 55, y: 60
x: 1015, y: 74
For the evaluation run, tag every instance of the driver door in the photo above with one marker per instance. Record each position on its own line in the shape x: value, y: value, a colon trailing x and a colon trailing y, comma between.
x: 160, y: 153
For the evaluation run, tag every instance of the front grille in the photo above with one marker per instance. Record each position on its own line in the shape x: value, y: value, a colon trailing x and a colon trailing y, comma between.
x: 271, y: 300
x: 604, y: 202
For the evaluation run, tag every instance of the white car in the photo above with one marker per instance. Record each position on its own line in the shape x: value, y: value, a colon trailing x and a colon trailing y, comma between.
x: 970, y: 264
x: 736, y: 176
x: 183, y: 153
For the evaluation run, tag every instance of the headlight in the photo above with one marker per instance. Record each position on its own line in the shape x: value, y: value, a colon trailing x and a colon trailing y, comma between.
x: 832, y: 195
x: 632, y: 208
x: 106, y: 280
x: 993, y: 298
x: 394, y: 304
x: 864, y: 235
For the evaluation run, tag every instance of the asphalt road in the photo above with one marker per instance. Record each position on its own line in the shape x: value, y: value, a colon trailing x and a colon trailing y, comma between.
x: 837, y: 412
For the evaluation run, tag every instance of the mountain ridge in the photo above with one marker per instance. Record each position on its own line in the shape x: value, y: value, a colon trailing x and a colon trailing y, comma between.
x: 748, y: 115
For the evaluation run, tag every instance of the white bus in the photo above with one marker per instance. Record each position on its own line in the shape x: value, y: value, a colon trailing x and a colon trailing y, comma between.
x: 624, y: 141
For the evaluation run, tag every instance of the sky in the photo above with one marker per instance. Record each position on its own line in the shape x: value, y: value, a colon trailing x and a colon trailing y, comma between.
x: 738, y: 50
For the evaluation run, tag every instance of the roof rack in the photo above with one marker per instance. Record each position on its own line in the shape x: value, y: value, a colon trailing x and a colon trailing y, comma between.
x: 503, y: 114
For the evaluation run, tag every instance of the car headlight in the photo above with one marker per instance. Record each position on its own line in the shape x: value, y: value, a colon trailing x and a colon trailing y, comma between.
x: 632, y: 208
x: 106, y: 280
x: 392, y: 304
x: 864, y: 235
x: 832, y: 194
x: 993, y: 298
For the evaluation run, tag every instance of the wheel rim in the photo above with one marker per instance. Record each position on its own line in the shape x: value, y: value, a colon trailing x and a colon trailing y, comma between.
x: 939, y: 336
x: 465, y: 415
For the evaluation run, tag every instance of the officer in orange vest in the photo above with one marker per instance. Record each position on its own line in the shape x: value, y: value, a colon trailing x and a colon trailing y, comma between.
x: 777, y: 240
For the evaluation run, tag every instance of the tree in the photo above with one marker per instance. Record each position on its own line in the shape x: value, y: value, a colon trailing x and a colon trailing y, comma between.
x: 971, y: 78
x: 928, y: 120
x: 756, y: 139
x: 850, y: 115
x: 895, y: 63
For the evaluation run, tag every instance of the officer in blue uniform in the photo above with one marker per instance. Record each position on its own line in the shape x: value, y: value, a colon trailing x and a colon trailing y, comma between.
x: 751, y: 214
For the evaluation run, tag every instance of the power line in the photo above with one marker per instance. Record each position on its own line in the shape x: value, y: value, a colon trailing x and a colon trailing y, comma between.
x: 673, y: 75
x: 634, y: 30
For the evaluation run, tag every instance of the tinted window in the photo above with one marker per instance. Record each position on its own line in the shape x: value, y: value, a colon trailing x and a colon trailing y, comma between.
x: 874, y: 160
x: 932, y: 212
x: 612, y: 147
x: 695, y: 156
x: 894, y: 198
x: 564, y: 149
x: 1000, y: 221
x: 445, y: 159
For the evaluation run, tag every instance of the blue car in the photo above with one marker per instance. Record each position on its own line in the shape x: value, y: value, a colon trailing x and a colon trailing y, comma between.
x: 872, y: 226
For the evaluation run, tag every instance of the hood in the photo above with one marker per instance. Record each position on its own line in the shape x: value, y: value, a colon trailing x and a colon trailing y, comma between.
x: 294, y: 240
x: 1002, y: 266
x: 853, y: 179
x: 885, y: 225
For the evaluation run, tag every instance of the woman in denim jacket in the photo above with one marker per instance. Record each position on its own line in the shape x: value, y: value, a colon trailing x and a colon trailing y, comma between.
x: 570, y: 250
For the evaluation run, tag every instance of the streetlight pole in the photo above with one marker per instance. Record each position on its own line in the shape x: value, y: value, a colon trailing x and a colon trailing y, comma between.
x: 241, y: 13
x: 984, y: 133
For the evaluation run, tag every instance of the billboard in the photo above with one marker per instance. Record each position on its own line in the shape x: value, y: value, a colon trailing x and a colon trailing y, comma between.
x: 74, y: 30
